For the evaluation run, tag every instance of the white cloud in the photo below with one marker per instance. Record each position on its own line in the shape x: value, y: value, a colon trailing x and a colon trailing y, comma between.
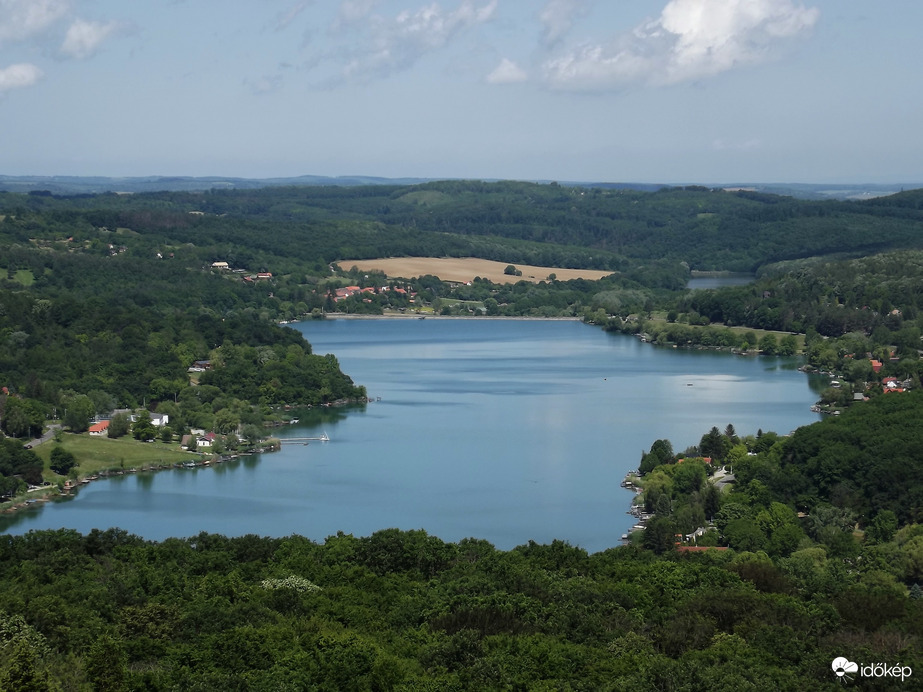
x: 22, y: 19
x: 18, y: 76
x: 354, y: 11
x: 557, y: 17
x: 396, y: 44
x: 690, y: 40
x: 507, y: 72
x: 84, y: 38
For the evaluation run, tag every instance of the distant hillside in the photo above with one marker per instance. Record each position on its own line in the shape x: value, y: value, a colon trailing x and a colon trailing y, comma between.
x: 75, y: 185
x: 540, y: 224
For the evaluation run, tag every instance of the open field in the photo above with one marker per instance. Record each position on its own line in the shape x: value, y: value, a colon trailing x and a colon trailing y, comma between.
x: 464, y: 269
x: 97, y: 453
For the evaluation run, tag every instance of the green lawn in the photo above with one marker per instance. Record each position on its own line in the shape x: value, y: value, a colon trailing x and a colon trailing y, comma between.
x: 24, y: 277
x: 97, y: 453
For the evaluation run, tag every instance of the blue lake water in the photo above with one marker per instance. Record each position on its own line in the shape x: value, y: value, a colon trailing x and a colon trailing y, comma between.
x: 507, y: 430
x: 700, y: 282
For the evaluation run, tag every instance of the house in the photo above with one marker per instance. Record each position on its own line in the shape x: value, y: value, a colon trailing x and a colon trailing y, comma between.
x: 221, y: 265
x: 695, y: 534
x: 891, y: 384
x: 876, y: 365
x: 342, y: 293
x: 159, y: 419
x: 205, y: 441
x: 264, y: 275
x: 100, y: 429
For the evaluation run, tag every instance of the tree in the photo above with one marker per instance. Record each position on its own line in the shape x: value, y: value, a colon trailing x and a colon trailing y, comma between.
x: 15, y: 418
x: 119, y: 425
x: 23, y: 672
x: 688, y: 477
x: 22, y: 417
x: 166, y: 435
x: 143, y: 428
x: 713, y: 444
x: 62, y: 461
x: 788, y: 345
x: 252, y: 434
x: 78, y: 411
x: 659, y: 535
x: 103, y: 402
x: 883, y: 526
x: 769, y: 345
x: 105, y: 665
x: 743, y: 534
x: 731, y: 434
x: 226, y: 421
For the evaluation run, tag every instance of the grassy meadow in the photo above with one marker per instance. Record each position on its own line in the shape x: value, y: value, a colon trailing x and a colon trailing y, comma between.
x: 95, y: 454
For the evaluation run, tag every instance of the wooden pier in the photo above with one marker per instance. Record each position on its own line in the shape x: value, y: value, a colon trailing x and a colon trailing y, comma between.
x: 305, y: 440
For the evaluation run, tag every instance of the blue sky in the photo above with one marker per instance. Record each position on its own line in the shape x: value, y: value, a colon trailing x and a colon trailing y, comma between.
x: 710, y: 91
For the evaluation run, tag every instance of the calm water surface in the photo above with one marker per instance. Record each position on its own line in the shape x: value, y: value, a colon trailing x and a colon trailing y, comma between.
x: 504, y: 430
x: 701, y: 282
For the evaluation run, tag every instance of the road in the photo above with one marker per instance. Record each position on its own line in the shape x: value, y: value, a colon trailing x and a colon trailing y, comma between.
x: 47, y: 435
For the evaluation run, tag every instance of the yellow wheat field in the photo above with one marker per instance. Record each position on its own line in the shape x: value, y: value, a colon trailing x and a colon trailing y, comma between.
x: 464, y: 269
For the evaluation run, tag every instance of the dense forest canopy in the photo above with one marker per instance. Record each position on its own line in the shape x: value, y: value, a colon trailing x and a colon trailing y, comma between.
x: 707, y: 229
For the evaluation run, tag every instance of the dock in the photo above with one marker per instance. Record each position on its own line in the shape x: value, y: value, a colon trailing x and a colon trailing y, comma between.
x: 304, y: 440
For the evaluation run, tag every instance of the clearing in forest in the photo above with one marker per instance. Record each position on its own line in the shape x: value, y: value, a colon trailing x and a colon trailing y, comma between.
x: 464, y: 269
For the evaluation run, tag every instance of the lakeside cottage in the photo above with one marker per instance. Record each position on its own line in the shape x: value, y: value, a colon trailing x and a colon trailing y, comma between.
x: 100, y: 429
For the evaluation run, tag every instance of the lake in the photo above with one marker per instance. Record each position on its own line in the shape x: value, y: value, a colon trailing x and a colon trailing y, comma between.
x: 720, y: 281
x: 507, y: 430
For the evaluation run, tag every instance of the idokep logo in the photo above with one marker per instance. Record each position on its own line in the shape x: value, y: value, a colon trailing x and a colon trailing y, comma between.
x: 845, y: 670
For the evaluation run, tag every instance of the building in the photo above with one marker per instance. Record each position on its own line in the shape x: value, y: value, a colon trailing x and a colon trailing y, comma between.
x: 100, y: 429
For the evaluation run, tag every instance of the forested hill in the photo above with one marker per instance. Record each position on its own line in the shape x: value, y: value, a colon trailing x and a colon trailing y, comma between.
x: 707, y: 229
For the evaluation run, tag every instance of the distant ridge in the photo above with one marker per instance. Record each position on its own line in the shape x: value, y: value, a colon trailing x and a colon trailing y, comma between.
x: 77, y: 185
x: 71, y: 185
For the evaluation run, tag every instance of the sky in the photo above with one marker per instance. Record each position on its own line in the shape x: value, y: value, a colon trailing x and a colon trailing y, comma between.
x: 664, y: 91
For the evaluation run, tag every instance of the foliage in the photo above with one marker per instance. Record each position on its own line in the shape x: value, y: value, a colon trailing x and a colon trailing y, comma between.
x: 406, y: 610
x: 16, y: 460
x: 62, y: 461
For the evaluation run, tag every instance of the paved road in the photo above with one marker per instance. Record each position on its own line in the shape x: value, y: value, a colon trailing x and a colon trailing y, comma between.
x: 722, y: 478
x: 47, y: 435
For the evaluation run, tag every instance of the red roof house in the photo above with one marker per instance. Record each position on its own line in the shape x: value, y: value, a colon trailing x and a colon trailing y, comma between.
x: 99, y: 429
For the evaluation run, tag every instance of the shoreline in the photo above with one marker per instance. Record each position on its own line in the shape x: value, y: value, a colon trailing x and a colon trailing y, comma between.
x: 416, y: 316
